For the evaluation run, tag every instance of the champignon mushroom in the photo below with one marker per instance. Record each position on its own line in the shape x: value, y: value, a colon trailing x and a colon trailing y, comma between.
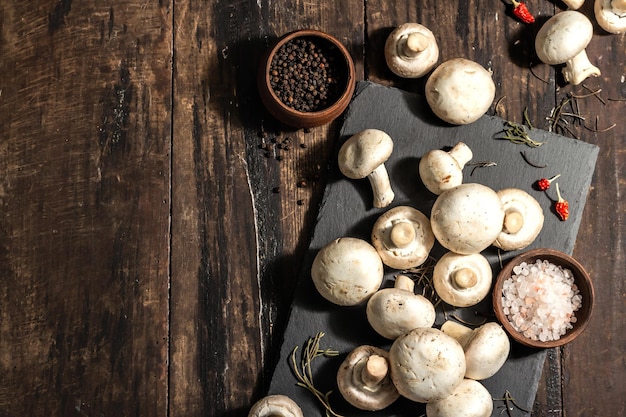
x: 611, y: 15
x: 523, y: 219
x: 403, y: 237
x: 562, y: 40
x: 394, y: 311
x: 411, y: 50
x: 467, y: 219
x: 364, y: 155
x: 460, y: 91
x: 441, y: 170
x: 363, y: 379
x: 275, y: 406
x: 469, y: 399
x: 574, y: 4
x: 347, y: 271
x: 426, y: 364
x: 486, y: 347
x: 462, y: 280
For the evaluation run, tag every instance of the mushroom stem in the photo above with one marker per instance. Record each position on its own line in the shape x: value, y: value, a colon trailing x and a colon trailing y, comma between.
x: 374, y: 371
x: 465, y: 278
x: 459, y: 332
x: 414, y: 43
x: 403, y: 282
x: 381, y: 187
x: 579, y: 68
x: 402, y: 234
x: 513, y: 222
x: 461, y: 153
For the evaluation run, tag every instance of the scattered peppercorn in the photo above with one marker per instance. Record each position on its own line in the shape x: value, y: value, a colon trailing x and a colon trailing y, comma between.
x: 561, y: 206
x: 306, y: 74
x: 300, y: 202
x: 544, y: 183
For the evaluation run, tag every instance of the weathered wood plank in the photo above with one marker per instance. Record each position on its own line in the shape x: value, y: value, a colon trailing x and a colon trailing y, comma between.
x: 85, y: 135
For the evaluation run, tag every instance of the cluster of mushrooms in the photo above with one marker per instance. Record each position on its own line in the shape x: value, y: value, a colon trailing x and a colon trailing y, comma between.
x: 440, y: 367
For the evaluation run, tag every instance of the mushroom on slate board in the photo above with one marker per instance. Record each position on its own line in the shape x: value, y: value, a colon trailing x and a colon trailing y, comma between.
x: 440, y: 170
x: 275, y: 406
x: 462, y: 280
x: 523, y: 219
x: 469, y: 399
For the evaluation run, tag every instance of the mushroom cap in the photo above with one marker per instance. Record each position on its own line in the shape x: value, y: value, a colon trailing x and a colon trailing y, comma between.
x: 403, y: 237
x: 469, y: 399
x: 440, y: 170
x: 393, y: 311
x: 275, y: 406
x: 450, y: 278
x: 356, y: 389
x: 460, y: 91
x: 468, y: 218
x: 347, y: 271
x: 562, y: 37
x: 519, y: 204
x: 416, y: 64
x: 426, y: 364
x: 608, y: 18
x: 363, y: 152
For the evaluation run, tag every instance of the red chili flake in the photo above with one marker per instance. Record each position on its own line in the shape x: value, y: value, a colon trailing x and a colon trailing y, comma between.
x: 520, y: 10
x: 561, y: 206
x: 544, y: 183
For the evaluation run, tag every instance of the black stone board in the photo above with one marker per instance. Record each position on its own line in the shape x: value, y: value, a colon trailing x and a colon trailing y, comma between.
x: 346, y: 210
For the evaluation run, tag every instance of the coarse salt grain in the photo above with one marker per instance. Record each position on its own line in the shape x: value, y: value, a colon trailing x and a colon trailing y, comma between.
x: 540, y: 300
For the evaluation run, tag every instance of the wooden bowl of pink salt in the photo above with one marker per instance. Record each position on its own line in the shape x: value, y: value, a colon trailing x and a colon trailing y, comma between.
x: 543, y: 298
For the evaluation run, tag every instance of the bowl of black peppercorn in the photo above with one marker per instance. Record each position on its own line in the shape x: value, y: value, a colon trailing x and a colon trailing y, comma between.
x: 306, y: 79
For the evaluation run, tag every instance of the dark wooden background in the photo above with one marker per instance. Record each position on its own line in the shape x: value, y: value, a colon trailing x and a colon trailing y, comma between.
x: 148, y: 246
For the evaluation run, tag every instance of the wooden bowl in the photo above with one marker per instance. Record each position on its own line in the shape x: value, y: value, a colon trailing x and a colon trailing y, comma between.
x: 581, y: 279
x: 342, y: 64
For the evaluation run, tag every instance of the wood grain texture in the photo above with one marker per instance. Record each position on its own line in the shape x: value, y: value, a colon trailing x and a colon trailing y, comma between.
x: 85, y: 138
x: 149, y: 246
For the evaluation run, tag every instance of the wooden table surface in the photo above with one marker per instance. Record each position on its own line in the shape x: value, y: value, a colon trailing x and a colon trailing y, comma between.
x: 149, y: 247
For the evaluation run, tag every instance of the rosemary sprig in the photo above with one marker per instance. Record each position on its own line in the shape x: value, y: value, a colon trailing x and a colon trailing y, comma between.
x: 517, y: 133
x: 509, y: 403
x: 304, y: 373
x: 481, y: 164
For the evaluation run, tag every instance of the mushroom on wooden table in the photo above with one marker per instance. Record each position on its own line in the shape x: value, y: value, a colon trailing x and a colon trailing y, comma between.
x: 347, y: 271
x: 460, y: 91
x: 440, y: 170
x: 363, y: 155
x: 562, y: 40
x: 394, y: 311
x: 411, y: 50
x: 486, y: 347
x: 275, y: 406
x: 403, y: 237
x: 462, y: 280
x: 611, y: 15
x: 363, y: 379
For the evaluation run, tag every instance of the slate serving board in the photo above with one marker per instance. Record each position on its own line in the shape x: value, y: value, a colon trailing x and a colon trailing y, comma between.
x: 346, y: 210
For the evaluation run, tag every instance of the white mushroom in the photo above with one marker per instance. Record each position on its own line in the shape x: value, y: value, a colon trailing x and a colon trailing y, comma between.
x: 363, y: 379
x: 364, y: 155
x: 460, y: 91
x: 440, y: 170
x: 574, y: 4
x: 426, y: 364
x: 275, y: 406
x: 462, y: 280
x: 403, y: 237
x: 523, y: 219
x: 411, y: 50
x: 469, y: 399
x: 347, y: 271
x: 486, y: 347
x: 467, y: 219
x: 394, y: 311
x: 611, y: 15
x: 562, y: 40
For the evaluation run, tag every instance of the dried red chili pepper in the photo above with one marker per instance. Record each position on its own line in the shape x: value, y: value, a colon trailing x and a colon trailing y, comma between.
x: 561, y: 206
x: 520, y: 10
x: 544, y: 183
